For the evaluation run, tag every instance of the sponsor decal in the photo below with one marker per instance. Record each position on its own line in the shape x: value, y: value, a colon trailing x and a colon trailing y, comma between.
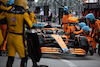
x: 13, y: 19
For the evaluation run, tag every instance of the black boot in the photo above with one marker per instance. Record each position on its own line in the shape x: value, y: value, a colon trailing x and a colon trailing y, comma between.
x: 34, y: 63
x: 24, y: 62
x: 10, y: 61
x: 94, y: 50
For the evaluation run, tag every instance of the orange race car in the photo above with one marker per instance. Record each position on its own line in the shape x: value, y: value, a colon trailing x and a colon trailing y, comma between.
x: 55, y: 43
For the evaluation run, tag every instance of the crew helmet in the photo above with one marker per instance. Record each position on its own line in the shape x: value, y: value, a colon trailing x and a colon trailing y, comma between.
x: 82, y: 24
x: 65, y: 9
x: 90, y: 16
x: 22, y: 3
x: 27, y: 8
x: 86, y: 29
x: 10, y: 2
x: 4, y: 1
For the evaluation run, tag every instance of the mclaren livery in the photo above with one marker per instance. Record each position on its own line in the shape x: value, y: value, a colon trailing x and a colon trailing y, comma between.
x: 55, y: 43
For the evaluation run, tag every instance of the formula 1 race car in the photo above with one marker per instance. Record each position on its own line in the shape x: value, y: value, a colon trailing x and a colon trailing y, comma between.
x: 55, y: 43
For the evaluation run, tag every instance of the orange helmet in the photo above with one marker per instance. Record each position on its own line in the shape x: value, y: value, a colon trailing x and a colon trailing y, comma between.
x: 72, y: 19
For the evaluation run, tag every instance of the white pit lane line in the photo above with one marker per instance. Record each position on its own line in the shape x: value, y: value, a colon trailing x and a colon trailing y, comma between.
x: 69, y: 63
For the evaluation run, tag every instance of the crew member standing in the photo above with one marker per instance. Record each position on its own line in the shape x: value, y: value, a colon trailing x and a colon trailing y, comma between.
x: 31, y: 14
x: 65, y: 18
x: 16, y: 21
x: 41, y: 14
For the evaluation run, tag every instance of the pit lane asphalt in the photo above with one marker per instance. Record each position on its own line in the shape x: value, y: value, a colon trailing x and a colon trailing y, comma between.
x: 58, y: 60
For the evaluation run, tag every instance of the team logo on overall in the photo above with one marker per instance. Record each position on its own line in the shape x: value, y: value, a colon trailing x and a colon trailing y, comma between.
x: 13, y: 19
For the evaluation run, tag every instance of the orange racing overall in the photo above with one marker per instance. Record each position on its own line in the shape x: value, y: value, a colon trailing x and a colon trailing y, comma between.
x: 94, y: 33
x: 65, y: 21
